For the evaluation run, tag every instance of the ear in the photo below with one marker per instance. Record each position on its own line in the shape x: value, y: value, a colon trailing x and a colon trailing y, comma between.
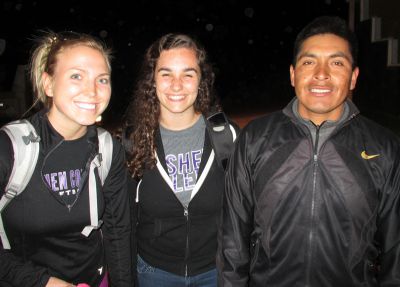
x: 291, y: 70
x: 354, y: 76
x: 47, y: 82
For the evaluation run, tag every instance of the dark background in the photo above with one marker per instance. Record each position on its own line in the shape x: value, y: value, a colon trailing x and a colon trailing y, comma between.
x: 248, y: 42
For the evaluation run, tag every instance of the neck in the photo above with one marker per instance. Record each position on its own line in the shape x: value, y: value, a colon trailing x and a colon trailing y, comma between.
x: 179, y: 122
x: 68, y: 132
x: 317, y: 118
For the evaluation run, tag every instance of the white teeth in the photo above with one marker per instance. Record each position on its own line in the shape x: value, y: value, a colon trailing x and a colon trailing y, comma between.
x: 86, y: 106
x: 320, y: 91
x: 176, y: 98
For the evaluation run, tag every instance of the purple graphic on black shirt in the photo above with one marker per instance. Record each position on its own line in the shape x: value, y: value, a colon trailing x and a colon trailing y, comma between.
x: 65, y: 183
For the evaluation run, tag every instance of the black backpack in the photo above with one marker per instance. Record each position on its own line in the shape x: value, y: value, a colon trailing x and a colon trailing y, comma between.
x: 223, y: 134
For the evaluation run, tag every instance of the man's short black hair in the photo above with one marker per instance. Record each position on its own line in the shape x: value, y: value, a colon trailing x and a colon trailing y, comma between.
x: 327, y: 25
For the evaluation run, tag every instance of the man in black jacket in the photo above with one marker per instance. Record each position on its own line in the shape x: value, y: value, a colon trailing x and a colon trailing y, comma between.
x: 312, y: 191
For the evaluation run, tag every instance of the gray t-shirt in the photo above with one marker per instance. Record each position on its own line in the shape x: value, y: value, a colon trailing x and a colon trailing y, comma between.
x: 183, y: 150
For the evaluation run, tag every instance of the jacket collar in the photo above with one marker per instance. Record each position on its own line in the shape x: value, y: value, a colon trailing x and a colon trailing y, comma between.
x: 288, y: 110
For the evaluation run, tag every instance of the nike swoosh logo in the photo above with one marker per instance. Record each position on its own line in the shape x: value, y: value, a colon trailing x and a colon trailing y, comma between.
x: 364, y: 155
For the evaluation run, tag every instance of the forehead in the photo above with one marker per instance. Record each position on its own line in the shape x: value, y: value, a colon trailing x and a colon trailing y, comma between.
x: 178, y: 56
x: 325, y: 42
x: 82, y: 55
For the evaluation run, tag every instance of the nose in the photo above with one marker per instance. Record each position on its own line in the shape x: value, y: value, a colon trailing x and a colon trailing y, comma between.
x: 176, y: 84
x: 91, y: 88
x: 322, y: 72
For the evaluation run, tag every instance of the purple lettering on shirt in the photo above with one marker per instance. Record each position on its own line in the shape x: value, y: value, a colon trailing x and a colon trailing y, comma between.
x: 53, y: 179
x: 189, y: 181
x: 184, y: 163
x: 169, y: 160
x: 62, y: 180
x: 75, y: 178
x: 196, y: 158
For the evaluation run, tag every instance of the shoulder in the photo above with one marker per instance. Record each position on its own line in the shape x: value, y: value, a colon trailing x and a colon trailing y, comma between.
x: 374, y: 131
x: 5, y: 143
x: 260, y: 134
x: 366, y: 135
x: 6, y: 159
x: 266, y: 124
x: 110, y: 139
x: 219, y: 124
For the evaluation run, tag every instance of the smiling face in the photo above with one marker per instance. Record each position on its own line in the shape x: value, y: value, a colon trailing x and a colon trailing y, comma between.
x: 177, y: 78
x: 323, y: 77
x: 80, y: 89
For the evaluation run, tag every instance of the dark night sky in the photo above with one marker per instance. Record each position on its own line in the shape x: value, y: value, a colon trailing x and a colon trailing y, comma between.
x: 249, y: 45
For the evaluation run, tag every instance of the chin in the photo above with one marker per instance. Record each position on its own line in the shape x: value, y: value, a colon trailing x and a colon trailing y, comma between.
x: 87, y: 122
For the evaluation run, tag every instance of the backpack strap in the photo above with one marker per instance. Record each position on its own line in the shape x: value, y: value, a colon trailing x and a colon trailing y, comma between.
x: 222, y: 135
x: 102, y: 161
x: 25, y: 143
x: 106, y: 151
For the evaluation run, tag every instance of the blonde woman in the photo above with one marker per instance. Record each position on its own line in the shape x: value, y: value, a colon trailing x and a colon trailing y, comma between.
x: 70, y: 74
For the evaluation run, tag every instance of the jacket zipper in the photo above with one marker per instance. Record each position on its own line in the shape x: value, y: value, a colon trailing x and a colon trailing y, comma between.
x: 315, y: 163
x: 311, y: 234
x: 186, y: 214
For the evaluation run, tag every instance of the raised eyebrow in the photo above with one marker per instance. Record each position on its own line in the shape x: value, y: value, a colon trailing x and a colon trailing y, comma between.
x: 306, y: 55
x: 104, y: 74
x: 190, y: 70
x: 169, y: 70
x: 341, y: 55
x: 163, y: 70
x: 108, y: 74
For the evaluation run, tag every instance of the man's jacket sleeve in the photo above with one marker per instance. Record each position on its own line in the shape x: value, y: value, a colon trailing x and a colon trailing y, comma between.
x: 117, y: 222
x: 233, y: 258
x: 388, y: 225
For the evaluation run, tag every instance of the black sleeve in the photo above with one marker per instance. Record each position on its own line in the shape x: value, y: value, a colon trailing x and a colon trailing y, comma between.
x: 117, y: 222
x: 13, y: 270
x: 134, y: 207
x: 6, y: 160
x: 388, y: 232
x: 233, y: 258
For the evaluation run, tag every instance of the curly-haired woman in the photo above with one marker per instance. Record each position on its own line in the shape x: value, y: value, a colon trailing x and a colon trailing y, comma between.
x: 179, y: 182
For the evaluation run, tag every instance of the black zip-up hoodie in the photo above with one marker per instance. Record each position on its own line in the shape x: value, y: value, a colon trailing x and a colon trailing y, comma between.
x: 170, y: 237
x: 46, y: 238
x: 297, y: 216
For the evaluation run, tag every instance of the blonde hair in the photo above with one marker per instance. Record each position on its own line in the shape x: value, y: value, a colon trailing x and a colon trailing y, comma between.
x: 44, y: 57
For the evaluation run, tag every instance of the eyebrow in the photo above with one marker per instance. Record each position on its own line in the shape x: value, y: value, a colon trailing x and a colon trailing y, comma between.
x: 170, y: 70
x: 104, y: 74
x: 334, y: 55
x: 85, y: 71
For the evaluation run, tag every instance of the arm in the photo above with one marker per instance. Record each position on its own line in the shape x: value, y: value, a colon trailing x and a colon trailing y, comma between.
x: 117, y: 222
x: 233, y: 258
x: 15, y: 270
x: 388, y: 232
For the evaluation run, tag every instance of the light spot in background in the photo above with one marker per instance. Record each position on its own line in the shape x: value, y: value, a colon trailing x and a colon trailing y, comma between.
x: 249, y: 12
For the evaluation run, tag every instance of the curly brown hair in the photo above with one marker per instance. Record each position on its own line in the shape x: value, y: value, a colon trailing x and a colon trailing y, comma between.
x: 143, y: 112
